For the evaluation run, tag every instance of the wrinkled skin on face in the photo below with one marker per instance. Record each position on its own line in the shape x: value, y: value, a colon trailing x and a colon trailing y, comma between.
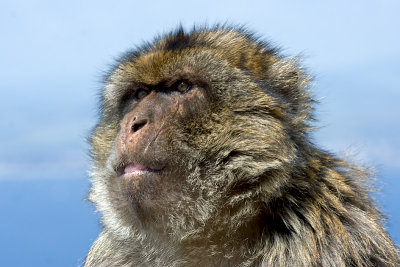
x: 143, y: 136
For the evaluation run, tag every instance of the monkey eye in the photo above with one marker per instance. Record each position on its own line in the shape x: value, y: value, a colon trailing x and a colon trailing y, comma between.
x: 141, y: 93
x: 183, y: 86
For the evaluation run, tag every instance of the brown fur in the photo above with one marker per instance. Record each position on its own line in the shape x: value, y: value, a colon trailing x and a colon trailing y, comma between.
x: 246, y: 186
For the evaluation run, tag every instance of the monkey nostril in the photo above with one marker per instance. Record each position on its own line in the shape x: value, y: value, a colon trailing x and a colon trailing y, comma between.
x: 138, y: 125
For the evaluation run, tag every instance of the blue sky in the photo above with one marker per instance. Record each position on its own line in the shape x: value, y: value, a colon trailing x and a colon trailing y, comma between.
x: 53, y: 54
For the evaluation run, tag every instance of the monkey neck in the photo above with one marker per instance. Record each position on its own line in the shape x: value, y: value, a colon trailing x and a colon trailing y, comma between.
x: 221, y: 244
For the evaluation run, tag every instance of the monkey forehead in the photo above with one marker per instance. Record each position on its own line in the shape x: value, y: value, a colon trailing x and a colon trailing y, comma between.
x: 198, y: 51
x: 160, y: 66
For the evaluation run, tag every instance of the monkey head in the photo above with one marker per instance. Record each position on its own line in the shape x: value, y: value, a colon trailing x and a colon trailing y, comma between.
x: 193, y: 126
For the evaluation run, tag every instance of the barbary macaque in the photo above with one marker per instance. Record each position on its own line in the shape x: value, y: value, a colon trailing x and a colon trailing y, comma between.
x: 203, y: 157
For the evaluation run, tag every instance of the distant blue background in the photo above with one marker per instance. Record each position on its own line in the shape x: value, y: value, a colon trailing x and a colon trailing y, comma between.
x: 52, y: 56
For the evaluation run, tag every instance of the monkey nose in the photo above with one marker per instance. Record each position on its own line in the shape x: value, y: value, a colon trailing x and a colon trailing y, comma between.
x: 137, y: 125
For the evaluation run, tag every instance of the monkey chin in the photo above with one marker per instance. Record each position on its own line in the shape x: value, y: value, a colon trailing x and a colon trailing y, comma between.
x: 141, y: 183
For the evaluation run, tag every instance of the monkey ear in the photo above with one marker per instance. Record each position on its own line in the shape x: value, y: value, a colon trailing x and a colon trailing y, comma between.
x: 290, y: 85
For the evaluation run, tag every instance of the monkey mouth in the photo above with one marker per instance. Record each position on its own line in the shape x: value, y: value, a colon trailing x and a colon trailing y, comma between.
x: 135, y: 169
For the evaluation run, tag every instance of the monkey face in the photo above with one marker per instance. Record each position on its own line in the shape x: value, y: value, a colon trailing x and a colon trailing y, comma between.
x: 151, y: 115
x: 150, y: 138
x: 189, y: 124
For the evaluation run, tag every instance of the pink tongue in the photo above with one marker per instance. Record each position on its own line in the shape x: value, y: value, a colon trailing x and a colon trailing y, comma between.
x: 134, y: 167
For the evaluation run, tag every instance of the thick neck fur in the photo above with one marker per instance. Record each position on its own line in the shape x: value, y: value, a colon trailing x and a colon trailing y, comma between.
x: 324, y: 212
